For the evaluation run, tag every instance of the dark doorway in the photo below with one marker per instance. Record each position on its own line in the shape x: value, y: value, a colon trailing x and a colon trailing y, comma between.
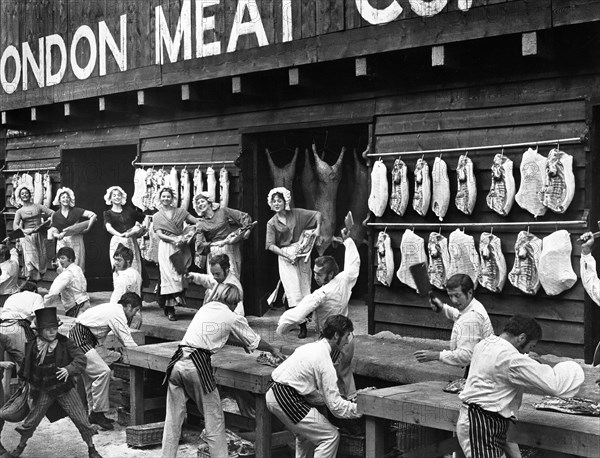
x: 89, y: 172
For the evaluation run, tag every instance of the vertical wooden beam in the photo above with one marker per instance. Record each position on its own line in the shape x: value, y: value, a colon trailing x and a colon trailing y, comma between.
x: 438, y: 56
x: 186, y: 92
x: 102, y: 104
x: 67, y: 109
x: 529, y: 44
x: 294, y: 76
x: 361, y: 66
x: 374, y: 433
x: 136, y: 395
x: 263, y: 428
x: 236, y: 85
x: 34, y: 114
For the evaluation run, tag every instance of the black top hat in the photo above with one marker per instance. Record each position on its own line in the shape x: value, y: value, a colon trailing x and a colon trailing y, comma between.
x: 46, y: 318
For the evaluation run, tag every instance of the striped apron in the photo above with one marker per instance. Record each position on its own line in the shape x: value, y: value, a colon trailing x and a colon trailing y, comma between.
x: 335, y: 354
x: 487, y: 432
x: 83, y: 338
x: 201, y: 359
x: 291, y: 402
x: 26, y: 325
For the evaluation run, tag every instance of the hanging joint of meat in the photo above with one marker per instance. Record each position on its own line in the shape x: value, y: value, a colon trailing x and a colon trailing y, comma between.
x: 422, y: 195
x: 502, y: 190
x: 441, y: 188
x: 283, y: 176
x: 399, y: 197
x: 525, y: 272
x: 439, y: 260
x: 559, y: 181
x: 466, y: 194
x: 378, y: 197
x: 492, y: 272
x: 385, y: 259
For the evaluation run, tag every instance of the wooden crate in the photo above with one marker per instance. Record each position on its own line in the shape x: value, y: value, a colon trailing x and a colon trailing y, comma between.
x: 144, y: 435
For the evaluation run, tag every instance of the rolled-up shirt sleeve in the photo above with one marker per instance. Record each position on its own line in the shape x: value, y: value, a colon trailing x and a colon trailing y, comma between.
x: 351, y: 261
x: 589, y: 277
x: 64, y: 279
x: 118, y: 325
x: 244, y: 333
x: 297, y: 314
x: 327, y: 383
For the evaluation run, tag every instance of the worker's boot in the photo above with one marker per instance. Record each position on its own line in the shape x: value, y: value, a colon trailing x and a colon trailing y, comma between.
x: 93, y: 453
x: 100, y: 419
x: 303, y: 331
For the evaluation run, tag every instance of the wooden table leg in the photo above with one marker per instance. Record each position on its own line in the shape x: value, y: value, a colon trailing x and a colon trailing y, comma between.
x: 263, y: 428
x: 374, y: 432
x: 136, y: 395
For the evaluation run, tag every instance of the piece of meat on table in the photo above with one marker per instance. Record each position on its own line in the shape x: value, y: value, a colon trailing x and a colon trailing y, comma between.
x: 529, y: 196
x: 573, y: 406
x: 492, y: 272
x: 455, y: 386
x: 440, y: 200
x: 502, y: 189
x: 559, y: 181
x: 556, y: 273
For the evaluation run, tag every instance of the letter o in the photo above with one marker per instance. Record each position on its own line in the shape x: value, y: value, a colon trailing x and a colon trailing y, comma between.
x: 10, y: 86
x: 83, y: 32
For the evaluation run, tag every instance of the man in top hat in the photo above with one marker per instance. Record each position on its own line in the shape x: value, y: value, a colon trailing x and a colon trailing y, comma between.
x: 9, y: 272
x: 220, y: 272
x: 70, y: 286
x: 50, y: 364
x: 90, y: 330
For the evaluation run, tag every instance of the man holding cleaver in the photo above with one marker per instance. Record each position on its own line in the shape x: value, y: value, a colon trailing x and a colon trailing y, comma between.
x: 589, y: 277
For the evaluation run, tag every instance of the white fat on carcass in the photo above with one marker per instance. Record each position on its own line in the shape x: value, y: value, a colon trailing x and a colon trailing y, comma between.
x: 422, y: 195
x: 139, y: 188
x: 464, y: 258
x: 439, y: 260
x: 440, y: 199
x: 525, y: 272
x: 379, y: 189
x: 385, y: 259
x: 38, y: 188
x: 184, y: 190
x: 399, y: 197
x: 492, y: 271
x: 559, y: 181
x: 466, y: 193
x: 532, y: 182
x: 556, y: 272
x: 502, y: 189
x: 224, y: 187
x: 211, y: 182
x: 412, y: 251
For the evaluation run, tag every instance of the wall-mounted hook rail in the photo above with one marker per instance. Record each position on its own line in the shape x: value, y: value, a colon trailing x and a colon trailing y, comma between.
x: 539, y: 224
x: 175, y: 164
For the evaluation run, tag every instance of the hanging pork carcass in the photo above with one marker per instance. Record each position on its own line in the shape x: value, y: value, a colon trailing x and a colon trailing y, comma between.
x: 308, y: 181
x: 378, y: 197
x: 502, y: 189
x: 399, y: 196
x: 466, y: 193
x: 385, y: 259
x: 525, y: 272
x: 422, y: 194
x: 439, y: 260
x: 492, y: 271
x: 464, y: 258
x: 529, y: 196
x: 556, y: 272
x: 359, y: 198
x: 440, y: 200
x: 283, y: 176
x: 559, y: 181
x: 412, y: 251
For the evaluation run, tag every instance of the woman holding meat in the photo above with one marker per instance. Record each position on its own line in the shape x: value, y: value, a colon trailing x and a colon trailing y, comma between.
x: 168, y: 223
x: 29, y: 219
x: 68, y: 224
x: 284, y: 231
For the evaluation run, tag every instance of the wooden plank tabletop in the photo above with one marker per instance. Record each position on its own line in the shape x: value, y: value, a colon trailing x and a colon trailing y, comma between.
x: 426, y: 404
x: 233, y: 367
x: 67, y: 322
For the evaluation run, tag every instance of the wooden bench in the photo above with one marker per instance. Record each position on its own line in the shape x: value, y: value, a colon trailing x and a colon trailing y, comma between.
x: 426, y: 404
x: 233, y: 368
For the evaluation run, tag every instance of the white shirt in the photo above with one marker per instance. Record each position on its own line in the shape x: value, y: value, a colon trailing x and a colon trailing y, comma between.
x: 589, y: 277
x: 104, y: 318
x: 124, y: 281
x: 329, y: 299
x: 71, y: 285
x: 208, y: 281
x: 21, y: 306
x: 9, y: 275
x: 470, y: 327
x: 310, y: 369
x: 499, y: 374
x: 211, y: 326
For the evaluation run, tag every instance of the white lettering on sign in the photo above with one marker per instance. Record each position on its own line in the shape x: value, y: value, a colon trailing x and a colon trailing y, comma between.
x: 10, y: 53
x: 106, y: 39
x: 55, y: 78
x: 377, y: 16
x: 84, y: 32
x: 182, y: 32
x: 287, y: 18
x: 203, y: 25
x: 37, y: 68
x: 253, y: 26
x: 427, y: 8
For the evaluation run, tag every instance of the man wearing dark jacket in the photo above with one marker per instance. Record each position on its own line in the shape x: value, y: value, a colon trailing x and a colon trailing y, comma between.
x: 51, y: 361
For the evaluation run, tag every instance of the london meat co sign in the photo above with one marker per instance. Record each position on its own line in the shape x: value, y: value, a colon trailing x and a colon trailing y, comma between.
x: 18, y: 62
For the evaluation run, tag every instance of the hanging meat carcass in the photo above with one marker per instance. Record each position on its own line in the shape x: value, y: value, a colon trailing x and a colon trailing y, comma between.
x: 385, y: 259
x: 47, y: 190
x: 502, y: 189
x: 283, y: 176
x: 379, y: 189
x: 466, y: 194
x: 184, y: 192
x: 464, y: 258
x: 492, y: 272
x: 308, y: 181
x: 224, y: 187
x: 211, y: 182
x: 38, y: 188
x: 559, y: 181
x: 412, y: 250
x: 439, y: 260
x: 556, y: 273
x: 359, y: 198
x: 198, y: 183
x: 328, y: 180
x: 399, y: 197
x: 139, y: 188
x: 440, y: 200
x: 525, y: 272
x: 422, y: 195
x: 173, y: 183
x: 532, y: 182
x: 15, y: 180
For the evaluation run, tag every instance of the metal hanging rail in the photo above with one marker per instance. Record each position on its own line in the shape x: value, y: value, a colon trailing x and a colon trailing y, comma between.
x: 573, y: 224
x: 33, y: 169
x: 485, y: 147
x: 174, y: 164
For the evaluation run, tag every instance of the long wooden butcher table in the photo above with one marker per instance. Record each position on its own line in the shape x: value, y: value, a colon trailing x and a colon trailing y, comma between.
x: 233, y: 368
x: 427, y: 405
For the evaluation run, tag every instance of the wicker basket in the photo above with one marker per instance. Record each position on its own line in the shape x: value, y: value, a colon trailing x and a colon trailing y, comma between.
x: 121, y: 370
x: 124, y: 417
x: 351, y: 446
x: 144, y: 435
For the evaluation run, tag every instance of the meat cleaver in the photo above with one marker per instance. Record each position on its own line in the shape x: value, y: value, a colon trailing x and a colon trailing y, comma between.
x: 421, y: 278
x: 595, y: 235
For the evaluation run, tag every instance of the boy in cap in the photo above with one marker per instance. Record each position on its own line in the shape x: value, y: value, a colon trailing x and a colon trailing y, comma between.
x: 50, y: 364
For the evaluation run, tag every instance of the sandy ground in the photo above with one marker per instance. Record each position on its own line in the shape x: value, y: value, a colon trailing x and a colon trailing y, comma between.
x: 61, y: 439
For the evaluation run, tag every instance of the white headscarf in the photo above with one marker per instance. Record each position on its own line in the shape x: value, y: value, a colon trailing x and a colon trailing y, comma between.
x: 287, y: 196
x: 109, y: 192
x: 22, y: 186
x: 204, y: 195
x: 60, y: 192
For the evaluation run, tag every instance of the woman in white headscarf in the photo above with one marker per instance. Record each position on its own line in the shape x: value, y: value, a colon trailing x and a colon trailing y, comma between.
x: 284, y: 230
x: 124, y: 224
x: 69, y: 225
x: 214, y: 228
x: 29, y: 219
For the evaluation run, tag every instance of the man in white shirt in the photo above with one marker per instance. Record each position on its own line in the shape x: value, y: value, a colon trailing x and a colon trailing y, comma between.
x: 589, y: 278
x: 307, y: 378
x: 220, y: 272
x: 126, y: 279
x: 471, y: 323
x: 89, y: 331
x: 190, y: 373
x: 69, y: 288
x: 9, y: 272
x: 335, y: 289
x: 500, y: 371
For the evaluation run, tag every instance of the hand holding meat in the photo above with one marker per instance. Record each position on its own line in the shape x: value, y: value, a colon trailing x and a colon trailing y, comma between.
x: 588, y: 242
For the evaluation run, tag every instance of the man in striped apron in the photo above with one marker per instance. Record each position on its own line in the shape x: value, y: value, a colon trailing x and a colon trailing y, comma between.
x: 190, y: 374
x: 500, y: 371
x: 90, y: 330
x: 308, y: 378
x: 70, y: 286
